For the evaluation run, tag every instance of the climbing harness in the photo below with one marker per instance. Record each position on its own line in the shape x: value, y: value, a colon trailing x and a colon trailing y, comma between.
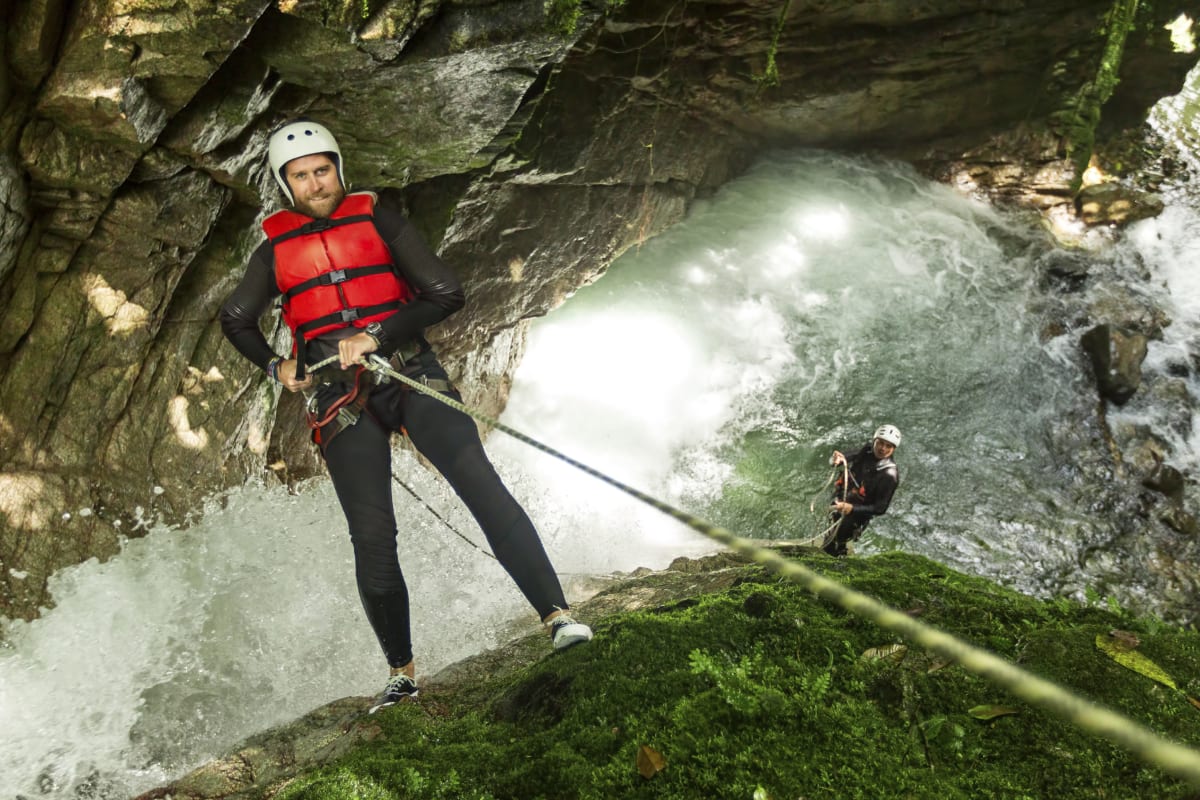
x: 345, y: 410
x: 340, y: 408
x: 1171, y: 757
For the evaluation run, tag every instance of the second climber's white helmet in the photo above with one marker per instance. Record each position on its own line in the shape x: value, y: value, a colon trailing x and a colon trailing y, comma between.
x: 889, y: 433
x: 297, y: 139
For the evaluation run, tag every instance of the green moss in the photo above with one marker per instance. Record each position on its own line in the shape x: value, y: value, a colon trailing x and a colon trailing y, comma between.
x: 763, y: 688
x: 337, y: 13
x: 563, y: 15
x: 770, y: 74
x: 1078, y: 120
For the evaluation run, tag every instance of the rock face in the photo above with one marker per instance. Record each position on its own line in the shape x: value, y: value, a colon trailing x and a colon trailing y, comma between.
x: 1114, y: 204
x: 131, y: 181
x: 1117, y: 357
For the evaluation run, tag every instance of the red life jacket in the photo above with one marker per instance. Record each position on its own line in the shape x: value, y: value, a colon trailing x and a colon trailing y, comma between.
x: 334, y: 273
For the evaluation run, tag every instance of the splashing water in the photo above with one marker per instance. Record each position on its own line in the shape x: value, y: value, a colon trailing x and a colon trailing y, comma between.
x: 812, y: 300
x: 189, y: 641
x: 716, y: 366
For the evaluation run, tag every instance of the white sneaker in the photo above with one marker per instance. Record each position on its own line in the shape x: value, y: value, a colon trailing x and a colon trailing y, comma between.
x: 566, y: 632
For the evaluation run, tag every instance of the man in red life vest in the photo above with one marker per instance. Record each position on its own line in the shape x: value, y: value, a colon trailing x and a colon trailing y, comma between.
x: 357, y: 279
x: 873, y: 478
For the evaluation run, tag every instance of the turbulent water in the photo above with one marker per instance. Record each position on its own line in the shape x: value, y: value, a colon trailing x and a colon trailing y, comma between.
x: 812, y: 300
x: 715, y: 366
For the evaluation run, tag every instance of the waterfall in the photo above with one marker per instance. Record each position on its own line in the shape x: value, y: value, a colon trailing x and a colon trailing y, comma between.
x: 813, y: 299
x: 715, y: 366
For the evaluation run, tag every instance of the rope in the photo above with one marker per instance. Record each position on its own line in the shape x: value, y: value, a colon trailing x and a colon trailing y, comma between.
x: 326, y: 363
x: 829, y: 534
x: 1176, y: 759
x: 329, y: 415
x: 440, y: 518
x: 421, y: 500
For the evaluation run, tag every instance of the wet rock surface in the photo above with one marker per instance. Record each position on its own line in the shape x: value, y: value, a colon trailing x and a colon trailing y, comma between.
x: 1117, y: 355
x: 266, y: 762
x: 131, y: 182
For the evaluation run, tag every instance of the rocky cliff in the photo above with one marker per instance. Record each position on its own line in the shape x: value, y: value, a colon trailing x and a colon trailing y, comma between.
x: 532, y: 142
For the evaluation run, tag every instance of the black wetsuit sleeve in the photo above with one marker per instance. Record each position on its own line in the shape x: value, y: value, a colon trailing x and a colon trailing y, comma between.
x: 438, y: 292
x: 247, y: 303
x: 880, y: 486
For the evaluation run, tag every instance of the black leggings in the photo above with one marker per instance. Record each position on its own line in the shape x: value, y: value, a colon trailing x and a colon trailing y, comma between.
x: 846, y: 533
x: 359, y: 461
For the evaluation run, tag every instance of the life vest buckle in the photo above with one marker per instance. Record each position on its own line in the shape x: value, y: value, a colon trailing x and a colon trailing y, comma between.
x: 348, y: 314
x: 337, y: 276
x: 317, y: 225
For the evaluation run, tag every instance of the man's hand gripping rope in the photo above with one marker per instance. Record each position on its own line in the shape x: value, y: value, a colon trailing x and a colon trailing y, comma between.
x: 829, y: 534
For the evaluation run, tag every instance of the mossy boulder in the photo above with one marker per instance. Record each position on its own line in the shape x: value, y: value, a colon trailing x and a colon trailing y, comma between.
x: 755, y: 688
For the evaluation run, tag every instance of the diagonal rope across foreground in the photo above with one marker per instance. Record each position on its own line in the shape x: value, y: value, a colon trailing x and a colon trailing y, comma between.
x: 1176, y: 759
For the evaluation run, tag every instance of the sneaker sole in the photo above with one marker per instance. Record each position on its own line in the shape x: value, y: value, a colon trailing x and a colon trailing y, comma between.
x: 406, y: 698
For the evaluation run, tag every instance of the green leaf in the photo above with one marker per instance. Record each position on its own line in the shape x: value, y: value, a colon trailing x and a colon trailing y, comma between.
x: 991, y: 712
x: 1132, y: 659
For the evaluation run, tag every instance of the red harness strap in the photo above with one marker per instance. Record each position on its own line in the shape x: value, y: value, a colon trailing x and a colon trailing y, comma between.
x: 356, y: 396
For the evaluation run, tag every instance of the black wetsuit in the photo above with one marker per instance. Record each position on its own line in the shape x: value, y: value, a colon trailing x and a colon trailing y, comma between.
x: 359, y: 456
x: 873, y: 481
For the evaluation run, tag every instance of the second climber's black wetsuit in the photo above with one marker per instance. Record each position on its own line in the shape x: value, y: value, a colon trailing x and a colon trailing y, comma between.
x: 359, y: 456
x: 873, y: 481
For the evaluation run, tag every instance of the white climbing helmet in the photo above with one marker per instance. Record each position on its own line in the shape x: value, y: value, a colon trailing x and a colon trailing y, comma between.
x: 889, y: 433
x: 296, y: 139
